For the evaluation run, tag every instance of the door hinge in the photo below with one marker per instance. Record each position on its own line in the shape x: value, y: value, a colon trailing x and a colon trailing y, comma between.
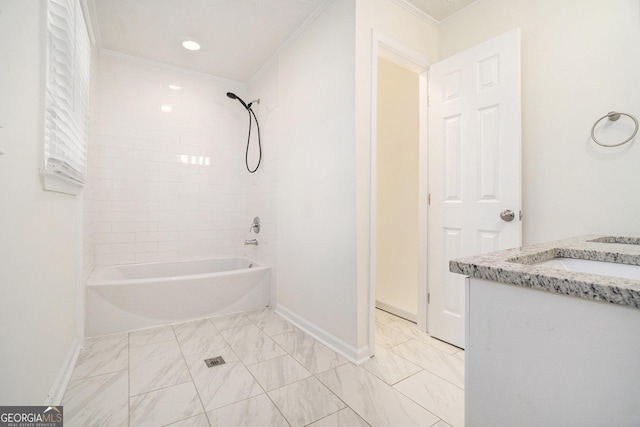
x: 428, y: 298
x: 520, y: 216
x: 429, y: 199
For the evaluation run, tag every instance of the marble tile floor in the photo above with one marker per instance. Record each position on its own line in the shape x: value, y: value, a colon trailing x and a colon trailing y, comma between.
x: 274, y: 375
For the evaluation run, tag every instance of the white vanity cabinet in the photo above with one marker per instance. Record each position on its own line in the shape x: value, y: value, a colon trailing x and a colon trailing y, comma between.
x: 539, y: 358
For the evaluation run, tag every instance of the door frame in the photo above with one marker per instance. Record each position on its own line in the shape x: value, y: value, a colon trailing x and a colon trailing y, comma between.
x: 400, y: 54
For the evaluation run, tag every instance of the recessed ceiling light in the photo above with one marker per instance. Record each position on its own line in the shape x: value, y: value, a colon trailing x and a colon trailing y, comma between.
x: 174, y: 87
x: 191, y: 45
x: 166, y: 108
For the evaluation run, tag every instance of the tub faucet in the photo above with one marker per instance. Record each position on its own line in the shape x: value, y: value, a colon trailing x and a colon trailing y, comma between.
x: 251, y: 242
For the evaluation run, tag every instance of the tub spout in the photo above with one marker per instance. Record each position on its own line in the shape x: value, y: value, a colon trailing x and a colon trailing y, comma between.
x: 251, y: 242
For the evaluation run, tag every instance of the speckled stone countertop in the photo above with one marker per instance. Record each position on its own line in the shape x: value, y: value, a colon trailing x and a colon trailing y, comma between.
x: 514, y: 266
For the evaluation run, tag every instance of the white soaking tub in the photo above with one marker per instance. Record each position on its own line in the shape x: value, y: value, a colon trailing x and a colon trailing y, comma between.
x: 127, y: 297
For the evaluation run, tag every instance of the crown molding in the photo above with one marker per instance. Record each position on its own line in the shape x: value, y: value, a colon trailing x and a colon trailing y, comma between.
x: 291, y: 38
x: 91, y: 20
x: 462, y: 11
x: 417, y: 12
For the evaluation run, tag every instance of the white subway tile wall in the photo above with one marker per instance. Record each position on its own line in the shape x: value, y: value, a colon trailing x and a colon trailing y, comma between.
x: 166, y: 185
x: 263, y: 184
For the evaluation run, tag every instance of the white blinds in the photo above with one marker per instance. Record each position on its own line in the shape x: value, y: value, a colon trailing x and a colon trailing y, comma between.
x: 67, y: 92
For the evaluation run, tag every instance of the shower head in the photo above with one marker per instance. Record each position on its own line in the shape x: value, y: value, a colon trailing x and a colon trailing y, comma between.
x: 234, y: 96
x: 251, y: 113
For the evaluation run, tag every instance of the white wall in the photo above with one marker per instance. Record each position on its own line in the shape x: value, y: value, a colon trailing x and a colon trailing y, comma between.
x: 165, y: 186
x: 397, y: 189
x: 377, y: 18
x: 580, y: 59
x: 39, y: 230
x: 316, y: 177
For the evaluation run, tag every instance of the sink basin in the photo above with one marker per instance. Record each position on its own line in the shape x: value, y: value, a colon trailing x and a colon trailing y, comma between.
x: 602, y: 268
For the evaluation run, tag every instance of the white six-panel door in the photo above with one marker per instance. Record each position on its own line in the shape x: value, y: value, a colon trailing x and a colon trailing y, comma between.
x: 474, y: 169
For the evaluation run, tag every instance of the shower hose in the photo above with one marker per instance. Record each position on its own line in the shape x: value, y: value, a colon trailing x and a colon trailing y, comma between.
x: 246, y: 155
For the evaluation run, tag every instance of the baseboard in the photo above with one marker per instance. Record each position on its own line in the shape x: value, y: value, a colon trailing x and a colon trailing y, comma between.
x: 56, y: 392
x: 397, y: 311
x: 349, y: 352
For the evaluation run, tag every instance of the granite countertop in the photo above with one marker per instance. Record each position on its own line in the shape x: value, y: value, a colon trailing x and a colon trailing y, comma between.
x: 514, y: 266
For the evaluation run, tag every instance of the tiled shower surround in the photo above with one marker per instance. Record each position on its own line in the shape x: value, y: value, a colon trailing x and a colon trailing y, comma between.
x: 164, y: 185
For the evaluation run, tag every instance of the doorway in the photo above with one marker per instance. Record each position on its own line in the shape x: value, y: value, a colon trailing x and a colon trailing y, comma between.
x: 474, y: 161
x: 397, y: 190
x: 388, y: 237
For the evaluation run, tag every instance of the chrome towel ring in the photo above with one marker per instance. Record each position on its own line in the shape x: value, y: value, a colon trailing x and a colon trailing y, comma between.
x: 613, y: 116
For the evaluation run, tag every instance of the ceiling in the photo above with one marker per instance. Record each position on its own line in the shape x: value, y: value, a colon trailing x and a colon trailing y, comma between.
x: 236, y: 36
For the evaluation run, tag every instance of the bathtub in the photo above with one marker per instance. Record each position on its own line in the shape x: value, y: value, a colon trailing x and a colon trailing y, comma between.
x: 127, y: 297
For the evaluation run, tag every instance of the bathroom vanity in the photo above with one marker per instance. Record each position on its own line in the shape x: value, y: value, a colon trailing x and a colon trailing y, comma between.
x: 553, y: 334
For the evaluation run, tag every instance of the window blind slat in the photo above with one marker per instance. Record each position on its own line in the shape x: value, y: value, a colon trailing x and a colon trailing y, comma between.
x: 67, y: 100
x: 64, y: 139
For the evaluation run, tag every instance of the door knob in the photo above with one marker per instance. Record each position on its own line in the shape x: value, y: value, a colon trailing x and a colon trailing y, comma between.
x: 507, y: 215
